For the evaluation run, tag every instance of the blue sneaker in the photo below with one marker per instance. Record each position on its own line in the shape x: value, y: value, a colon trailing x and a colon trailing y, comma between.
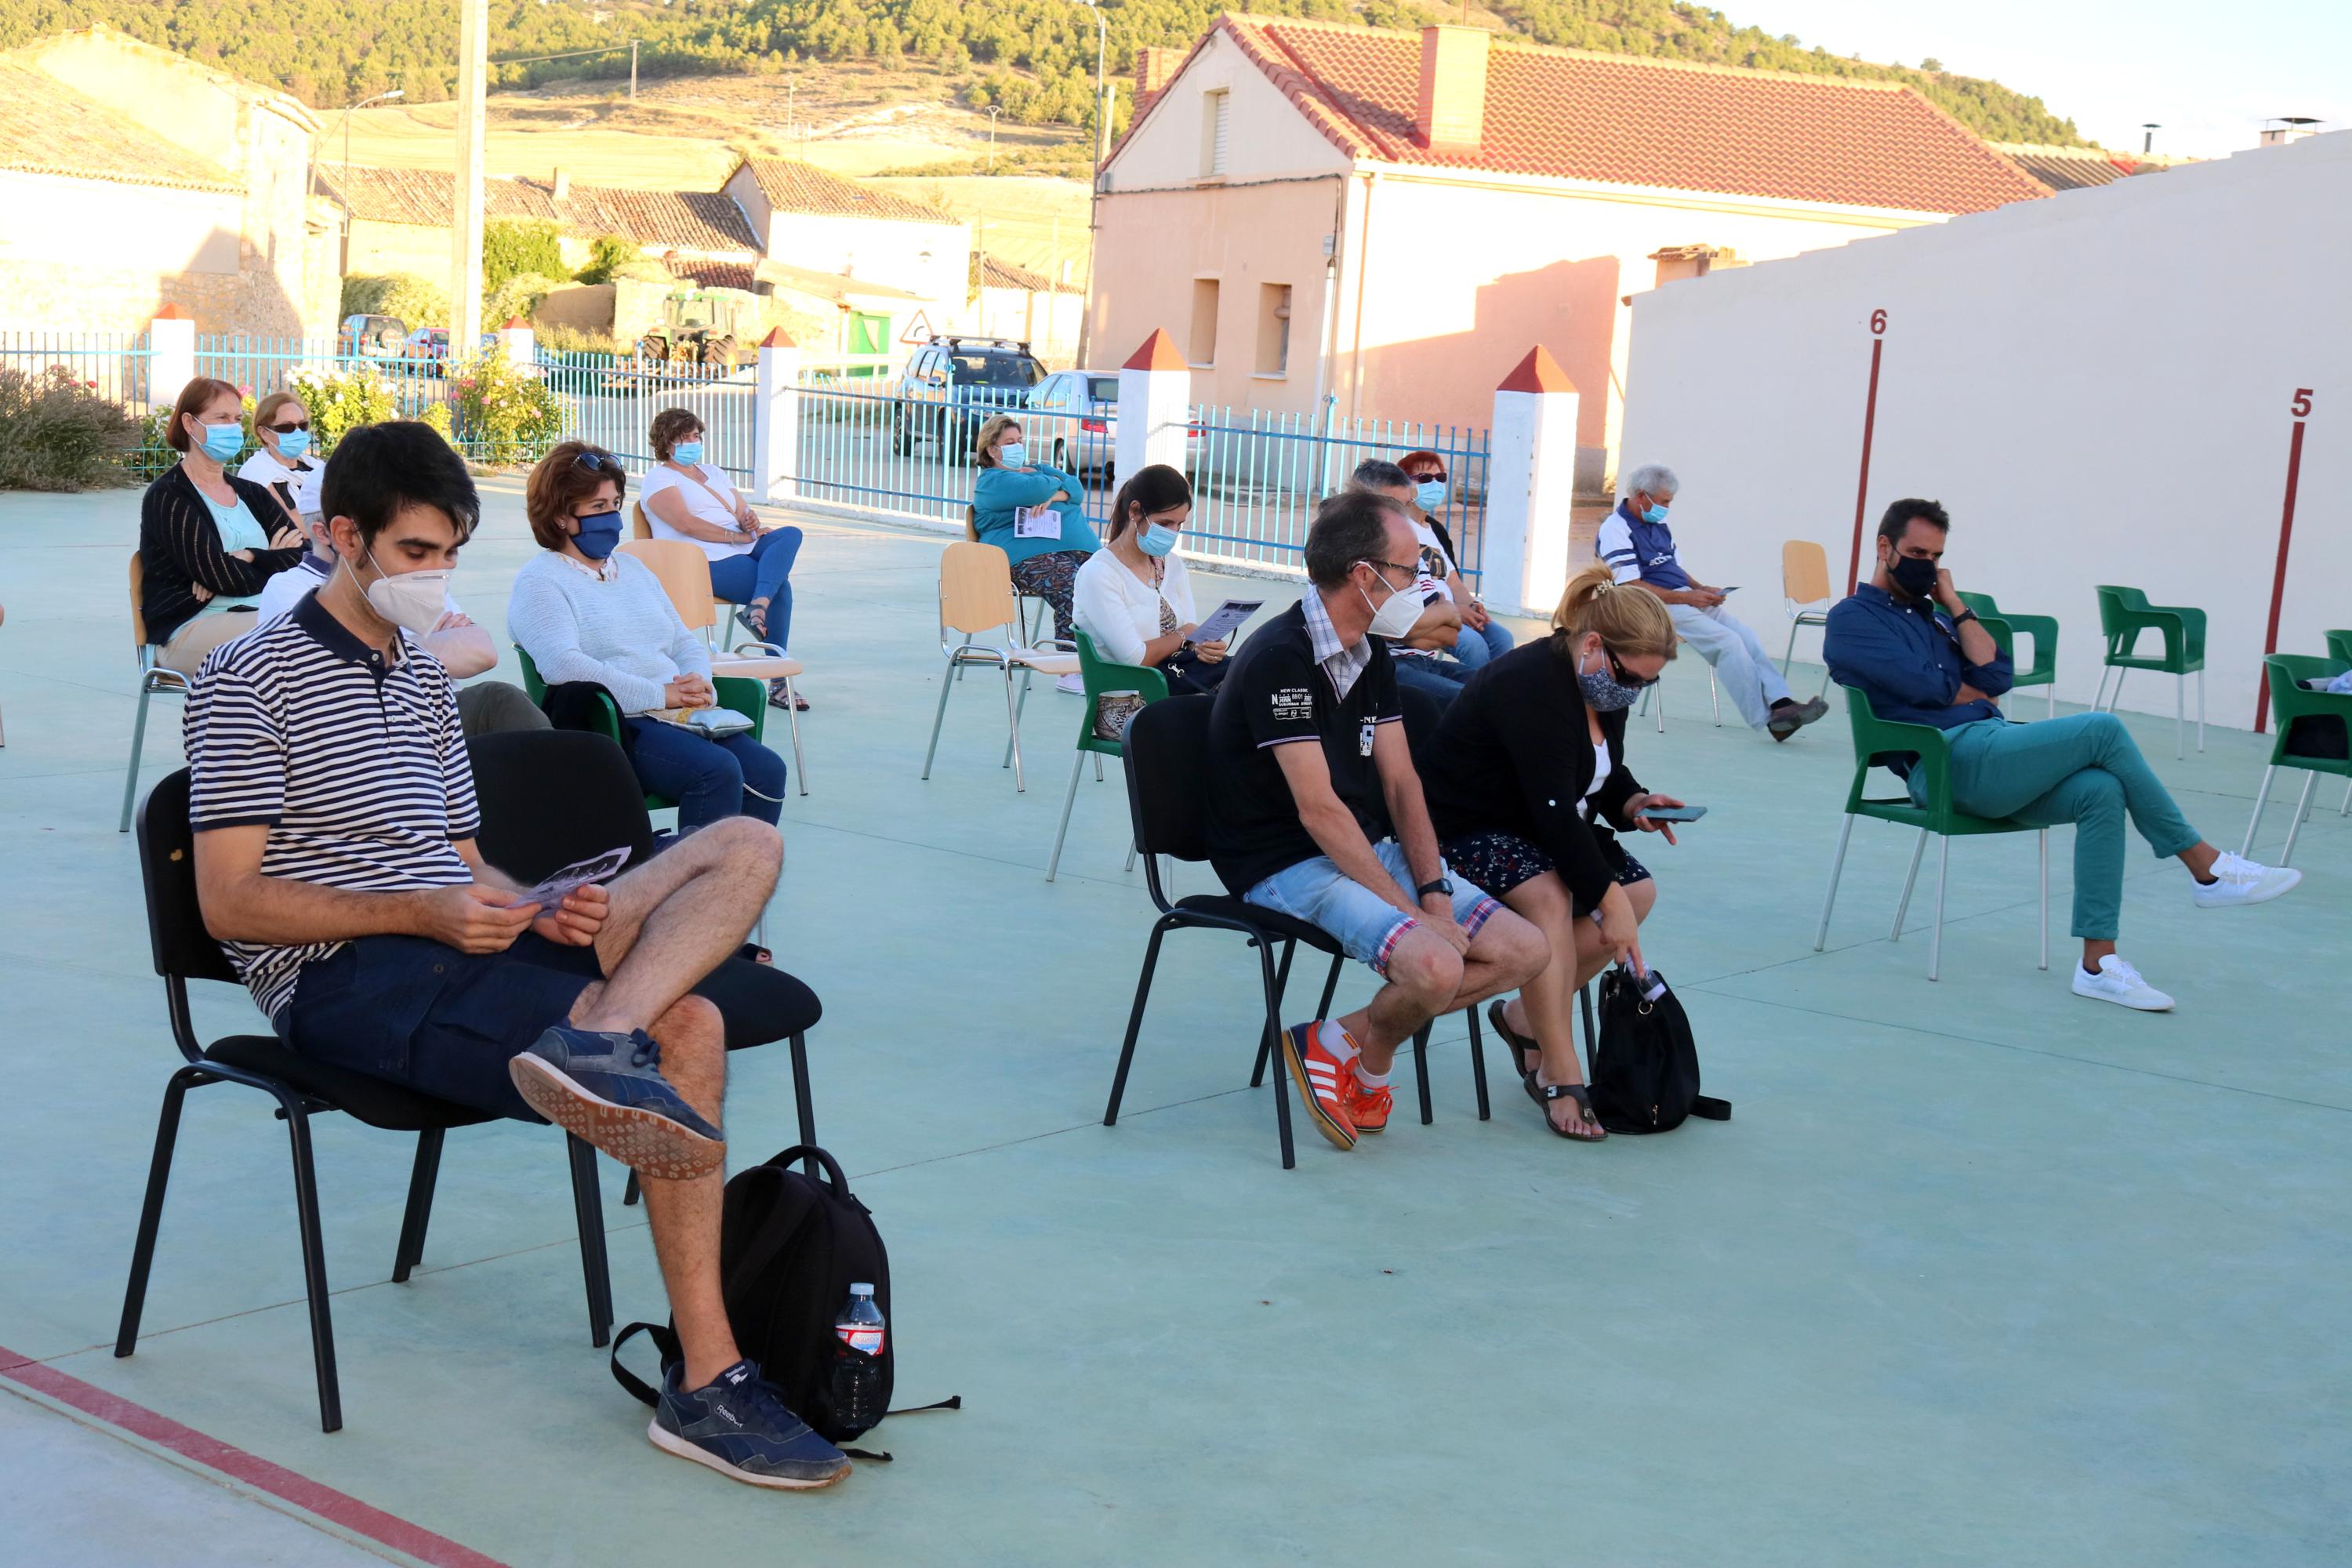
x: 740, y: 1427
x: 609, y: 1089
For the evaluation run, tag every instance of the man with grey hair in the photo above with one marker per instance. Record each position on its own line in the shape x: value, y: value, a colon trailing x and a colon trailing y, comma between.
x: 1640, y: 548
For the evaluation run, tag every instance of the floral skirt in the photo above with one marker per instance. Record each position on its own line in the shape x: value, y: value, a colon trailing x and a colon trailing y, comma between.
x: 1501, y: 861
x: 1049, y: 577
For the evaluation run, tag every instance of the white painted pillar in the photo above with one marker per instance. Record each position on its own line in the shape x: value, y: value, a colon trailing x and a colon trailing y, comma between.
x: 1155, y: 406
x: 515, y: 342
x: 171, y: 355
x: 776, y: 420
x: 465, y: 227
x: 1530, y: 487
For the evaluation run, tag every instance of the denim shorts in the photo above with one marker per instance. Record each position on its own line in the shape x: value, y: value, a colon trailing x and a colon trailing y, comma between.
x: 1366, y: 925
x: 445, y: 1023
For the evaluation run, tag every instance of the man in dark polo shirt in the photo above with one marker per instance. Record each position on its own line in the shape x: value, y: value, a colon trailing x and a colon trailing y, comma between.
x: 334, y: 818
x: 1314, y: 810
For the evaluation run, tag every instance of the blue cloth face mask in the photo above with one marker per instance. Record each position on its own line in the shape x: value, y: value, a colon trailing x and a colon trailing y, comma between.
x: 223, y: 442
x: 599, y: 535
x: 293, y: 444
x: 1430, y: 495
x: 1655, y: 514
x: 687, y: 452
x: 1158, y: 538
x: 1014, y: 455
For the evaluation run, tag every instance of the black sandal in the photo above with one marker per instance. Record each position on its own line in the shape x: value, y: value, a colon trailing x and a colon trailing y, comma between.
x: 780, y: 696
x: 753, y: 953
x: 1544, y: 1094
x: 1518, y: 1042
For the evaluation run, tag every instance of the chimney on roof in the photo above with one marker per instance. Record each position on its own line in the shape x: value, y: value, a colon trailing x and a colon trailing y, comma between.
x: 1452, y: 115
x: 563, y: 184
x: 1154, y: 69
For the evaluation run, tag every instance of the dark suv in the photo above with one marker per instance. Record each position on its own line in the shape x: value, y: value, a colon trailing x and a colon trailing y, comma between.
x: 952, y: 385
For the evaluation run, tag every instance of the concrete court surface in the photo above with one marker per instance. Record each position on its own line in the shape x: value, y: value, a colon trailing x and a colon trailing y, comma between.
x: 1981, y: 1273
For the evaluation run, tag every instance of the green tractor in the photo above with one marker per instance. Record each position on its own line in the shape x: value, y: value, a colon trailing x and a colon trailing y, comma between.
x: 705, y: 328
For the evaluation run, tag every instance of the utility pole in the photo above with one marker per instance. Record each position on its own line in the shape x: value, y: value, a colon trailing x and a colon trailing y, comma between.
x: 1094, y: 189
x: 466, y: 231
x: 992, y: 112
x: 633, y: 71
x: 380, y: 98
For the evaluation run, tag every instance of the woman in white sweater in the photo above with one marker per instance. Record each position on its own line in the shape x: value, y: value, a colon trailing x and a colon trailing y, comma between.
x: 585, y: 615
x: 1133, y: 599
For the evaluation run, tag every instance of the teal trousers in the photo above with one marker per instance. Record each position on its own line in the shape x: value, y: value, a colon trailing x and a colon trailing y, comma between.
x: 2084, y: 769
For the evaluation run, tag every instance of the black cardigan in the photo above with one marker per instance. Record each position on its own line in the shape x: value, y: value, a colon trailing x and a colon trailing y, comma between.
x: 1515, y: 755
x: 180, y: 549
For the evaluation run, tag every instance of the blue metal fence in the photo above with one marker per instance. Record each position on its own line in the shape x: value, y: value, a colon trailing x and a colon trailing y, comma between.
x: 611, y: 403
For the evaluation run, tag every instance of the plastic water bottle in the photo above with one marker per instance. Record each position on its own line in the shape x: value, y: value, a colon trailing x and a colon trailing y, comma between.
x: 860, y: 1325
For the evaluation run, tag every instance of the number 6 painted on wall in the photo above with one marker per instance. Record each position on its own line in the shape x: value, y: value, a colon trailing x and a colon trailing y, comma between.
x: 2301, y: 406
x: 1877, y: 323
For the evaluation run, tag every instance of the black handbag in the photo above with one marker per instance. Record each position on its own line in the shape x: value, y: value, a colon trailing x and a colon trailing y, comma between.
x: 1643, y: 1067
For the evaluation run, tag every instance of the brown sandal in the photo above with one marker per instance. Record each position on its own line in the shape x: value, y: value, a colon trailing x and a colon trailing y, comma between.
x: 1518, y: 1042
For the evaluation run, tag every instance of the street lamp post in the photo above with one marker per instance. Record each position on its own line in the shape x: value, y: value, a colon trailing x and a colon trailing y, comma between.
x: 379, y: 98
x: 1102, y: 152
x: 992, y: 112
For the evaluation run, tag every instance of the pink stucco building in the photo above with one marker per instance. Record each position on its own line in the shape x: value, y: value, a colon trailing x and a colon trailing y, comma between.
x: 1392, y: 219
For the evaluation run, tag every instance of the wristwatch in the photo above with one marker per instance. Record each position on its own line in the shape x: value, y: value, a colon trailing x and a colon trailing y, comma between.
x: 1440, y: 885
x: 1962, y: 620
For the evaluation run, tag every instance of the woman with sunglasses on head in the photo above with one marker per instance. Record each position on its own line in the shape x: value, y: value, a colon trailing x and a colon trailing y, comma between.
x: 1527, y: 788
x: 1483, y: 637
x: 208, y: 541
x: 281, y: 463
x: 590, y: 617
x: 689, y: 498
x: 1133, y: 599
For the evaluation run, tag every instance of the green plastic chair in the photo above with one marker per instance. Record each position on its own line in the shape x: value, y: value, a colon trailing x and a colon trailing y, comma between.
x: 1100, y: 677
x: 1875, y: 737
x: 749, y: 698
x: 2289, y: 702
x: 2005, y: 627
x: 2124, y: 614
x: 2339, y: 645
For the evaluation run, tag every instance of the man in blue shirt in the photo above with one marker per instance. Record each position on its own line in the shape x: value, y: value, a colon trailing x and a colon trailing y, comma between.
x: 1640, y: 548
x: 1905, y: 641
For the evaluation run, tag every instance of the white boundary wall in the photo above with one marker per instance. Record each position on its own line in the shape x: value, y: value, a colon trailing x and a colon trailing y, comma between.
x: 2099, y: 386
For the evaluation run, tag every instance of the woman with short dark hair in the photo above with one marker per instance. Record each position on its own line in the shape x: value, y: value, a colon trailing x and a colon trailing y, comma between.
x: 207, y: 540
x: 689, y: 498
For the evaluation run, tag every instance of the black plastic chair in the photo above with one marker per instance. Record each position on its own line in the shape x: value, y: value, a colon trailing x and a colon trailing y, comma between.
x: 184, y: 950
x: 1167, y: 756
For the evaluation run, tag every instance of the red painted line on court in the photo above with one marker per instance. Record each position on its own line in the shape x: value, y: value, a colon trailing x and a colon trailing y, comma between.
x: 313, y: 1497
x: 1861, y: 486
x: 2278, y: 577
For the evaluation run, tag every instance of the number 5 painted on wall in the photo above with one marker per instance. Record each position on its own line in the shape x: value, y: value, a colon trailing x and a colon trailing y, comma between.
x: 2301, y: 406
x: 1877, y: 323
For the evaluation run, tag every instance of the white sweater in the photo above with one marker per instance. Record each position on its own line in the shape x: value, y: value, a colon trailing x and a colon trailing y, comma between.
x: 1120, y: 610
x: 618, y: 630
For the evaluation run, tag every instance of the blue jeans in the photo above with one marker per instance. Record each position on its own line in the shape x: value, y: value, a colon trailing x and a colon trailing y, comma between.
x: 1472, y: 649
x: 1440, y: 677
x: 709, y: 779
x: 762, y: 571
x: 1366, y: 925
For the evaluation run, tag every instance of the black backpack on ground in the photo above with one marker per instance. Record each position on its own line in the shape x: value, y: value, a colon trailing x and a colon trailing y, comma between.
x: 791, y: 1246
x: 1645, y: 1066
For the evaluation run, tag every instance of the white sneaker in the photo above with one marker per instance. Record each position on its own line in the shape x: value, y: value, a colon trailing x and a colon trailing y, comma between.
x: 1078, y: 683
x: 2119, y: 982
x: 2237, y: 880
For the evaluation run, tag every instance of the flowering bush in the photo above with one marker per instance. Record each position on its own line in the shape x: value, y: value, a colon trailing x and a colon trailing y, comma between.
x: 504, y: 415
x: 57, y: 433
x: 339, y: 399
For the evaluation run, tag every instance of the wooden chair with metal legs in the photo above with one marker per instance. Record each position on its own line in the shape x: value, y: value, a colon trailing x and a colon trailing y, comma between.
x: 1036, y: 612
x: 1807, y: 595
x: 685, y: 574
x: 976, y: 597
x: 153, y: 679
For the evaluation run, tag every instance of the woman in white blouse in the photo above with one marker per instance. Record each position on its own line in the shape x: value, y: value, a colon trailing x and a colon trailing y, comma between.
x: 1133, y: 599
x: 282, y: 463
x: 686, y: 498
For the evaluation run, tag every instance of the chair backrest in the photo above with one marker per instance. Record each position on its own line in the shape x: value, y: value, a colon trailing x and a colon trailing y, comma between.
x: 2339, y: 645
x: 975, y: 588
x: 972, y: 523
x: 1982, y: 603
x: 685, y: 574
x: 1167, y: 759
x: 519, y: 774
x: 183, y: 947
x: 138, y: 595
x: 639, y: 528
x: 1804, y: 572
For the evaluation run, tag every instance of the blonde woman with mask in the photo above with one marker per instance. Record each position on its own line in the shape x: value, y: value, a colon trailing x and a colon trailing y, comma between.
x: 1031, y: 513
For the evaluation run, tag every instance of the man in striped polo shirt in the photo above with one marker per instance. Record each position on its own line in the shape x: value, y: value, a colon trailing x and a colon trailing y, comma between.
x: 334, y: 818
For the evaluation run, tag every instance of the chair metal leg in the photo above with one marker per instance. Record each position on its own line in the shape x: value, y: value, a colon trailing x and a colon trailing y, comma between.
x: 1281, y: 989
x: 2053, y: 695
x: 1943, y: 870
x: 2200, y: 708
x: 1281, y: 1079
x: 1903, y: 908
x: 138, y: 741
x: 1099, y: 773
x: 150, y: 1210
x: 804, y: 1100
x: 2345, y: 809
x: 2043, y: 838
x: 947, y: 684
x: 2115, y: 698
x: 1135, y: 1021
x: 2255, y: 821
x: 2286, y: 857
x: 1069, y: 799
x: 2181, y: 719
x: 1478, y: 1065
x: 421, y: 1179
x: 1330, y: 985
x: 1714, y: 697
x: 314, y: 1264
x: 1584, y: 1002
x: 632, y: 1192
x: 1421, y: 1069
x: 792, y: 715
x: 1130, y: 854
x: 1790, y: 652
x: 1828, y: 902
x: 588, y: 1208
x: 1012, y: 719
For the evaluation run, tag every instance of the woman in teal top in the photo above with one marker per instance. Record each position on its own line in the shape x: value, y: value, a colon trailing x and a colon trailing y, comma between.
x: 1031, y: 513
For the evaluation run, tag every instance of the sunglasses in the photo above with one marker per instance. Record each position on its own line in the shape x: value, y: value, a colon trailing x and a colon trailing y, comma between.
x: 597, y: 463
x: 1622, y: 674
x: 290, y: 427
x: 1424, y: 478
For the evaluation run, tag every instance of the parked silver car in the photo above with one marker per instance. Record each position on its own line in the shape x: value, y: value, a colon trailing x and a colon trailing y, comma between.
x: 1074, y: 422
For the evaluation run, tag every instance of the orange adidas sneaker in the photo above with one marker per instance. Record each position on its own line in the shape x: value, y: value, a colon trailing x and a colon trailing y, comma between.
x: 1321, y: 1078
x: 1368, y: 1108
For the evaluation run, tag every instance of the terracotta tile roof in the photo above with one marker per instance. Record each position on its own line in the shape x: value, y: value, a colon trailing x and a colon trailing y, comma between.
x: 426, y: 196
x: 710, y: 274
x: 793, y: 186
x: 689, y: 220
x: 997, y: 274
x: 2071, y: 168
x: 1621, y: 120
x: 47, y: 128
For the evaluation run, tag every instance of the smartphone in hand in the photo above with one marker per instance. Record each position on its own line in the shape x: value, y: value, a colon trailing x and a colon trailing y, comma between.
x: 1673, y: 814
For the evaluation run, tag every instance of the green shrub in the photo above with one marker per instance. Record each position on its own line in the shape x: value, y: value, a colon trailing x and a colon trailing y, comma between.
x: 502, y: 414
x: 560, y: 339
x: 339, y: 400
x: 518, y: 296
x: 57, y: 433
x: 419, y: 301
x: 607, y: 254
x: 520, y: 247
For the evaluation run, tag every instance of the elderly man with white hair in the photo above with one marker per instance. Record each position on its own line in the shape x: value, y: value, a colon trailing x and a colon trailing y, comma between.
x: 1640, y: 548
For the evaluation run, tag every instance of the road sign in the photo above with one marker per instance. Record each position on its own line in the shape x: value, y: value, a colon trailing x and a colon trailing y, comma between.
x: 918, y: 330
